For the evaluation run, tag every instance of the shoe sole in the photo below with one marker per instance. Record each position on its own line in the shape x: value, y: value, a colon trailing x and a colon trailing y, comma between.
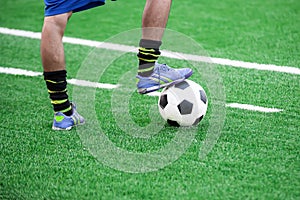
x: 155, y: 88
x: 66, y: 129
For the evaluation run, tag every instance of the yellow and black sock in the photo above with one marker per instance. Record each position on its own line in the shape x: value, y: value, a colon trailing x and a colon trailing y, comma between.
x: 148, y: 55
x: 57, y: 88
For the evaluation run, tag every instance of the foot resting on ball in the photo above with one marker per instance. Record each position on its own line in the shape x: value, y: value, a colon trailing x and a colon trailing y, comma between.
x: 162, y: 76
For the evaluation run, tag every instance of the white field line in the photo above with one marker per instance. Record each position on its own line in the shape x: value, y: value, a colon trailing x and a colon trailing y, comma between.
x: 84, y: 83
x: 92, y: 84
x: 253, y: 108
x: 170, y: 54
x: 16, y: 71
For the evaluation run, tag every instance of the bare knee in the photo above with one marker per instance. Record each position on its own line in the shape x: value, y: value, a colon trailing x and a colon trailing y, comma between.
x: 57, y: 22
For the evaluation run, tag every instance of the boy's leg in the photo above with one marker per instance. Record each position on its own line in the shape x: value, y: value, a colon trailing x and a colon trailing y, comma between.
x: 53, y: 60
x: 151, y: 75
x: 154, y: 21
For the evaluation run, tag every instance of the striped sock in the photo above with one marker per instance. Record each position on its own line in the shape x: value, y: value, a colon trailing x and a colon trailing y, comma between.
x: 148, y: 55
x: 57, y: 89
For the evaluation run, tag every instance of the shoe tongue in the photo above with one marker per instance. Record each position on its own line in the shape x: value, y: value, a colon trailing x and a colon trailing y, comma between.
x: 59, y: 118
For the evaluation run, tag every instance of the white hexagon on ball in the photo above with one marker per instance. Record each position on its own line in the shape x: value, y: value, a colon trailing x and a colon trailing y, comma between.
x: 183, y: 104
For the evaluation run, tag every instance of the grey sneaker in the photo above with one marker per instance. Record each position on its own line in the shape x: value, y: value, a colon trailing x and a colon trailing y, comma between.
x: 64, y: 122
x: 162, y: 76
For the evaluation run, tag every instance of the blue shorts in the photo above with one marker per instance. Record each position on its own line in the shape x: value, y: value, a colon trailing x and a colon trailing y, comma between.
x: 56, y: 7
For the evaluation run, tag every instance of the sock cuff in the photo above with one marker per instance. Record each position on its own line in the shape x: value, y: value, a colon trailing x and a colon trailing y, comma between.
x: 59, y: 75
x: 153, y: 44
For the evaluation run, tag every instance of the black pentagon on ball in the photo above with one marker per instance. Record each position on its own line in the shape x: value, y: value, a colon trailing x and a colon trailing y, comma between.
x: 198, y: 120
x: 173, y: 123
x: 163, y: 101
x: 185, y: 107
x: 203, y: 96
x: 182, y: 85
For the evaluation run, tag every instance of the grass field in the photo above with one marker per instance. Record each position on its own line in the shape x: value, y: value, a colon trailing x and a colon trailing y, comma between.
x: 255, y: 157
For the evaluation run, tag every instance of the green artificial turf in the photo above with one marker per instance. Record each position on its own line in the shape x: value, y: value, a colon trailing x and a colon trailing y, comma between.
x: 255, y: 157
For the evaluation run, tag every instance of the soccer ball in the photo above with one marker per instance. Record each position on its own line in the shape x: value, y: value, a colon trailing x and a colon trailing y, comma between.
x: 183, y: 104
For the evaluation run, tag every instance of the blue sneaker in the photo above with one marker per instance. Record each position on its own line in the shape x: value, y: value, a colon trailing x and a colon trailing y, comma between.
x: 162, y: 76
x: 64, y: 122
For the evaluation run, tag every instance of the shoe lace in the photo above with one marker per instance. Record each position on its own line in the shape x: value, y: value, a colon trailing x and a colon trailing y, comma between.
x: 164, y: 68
